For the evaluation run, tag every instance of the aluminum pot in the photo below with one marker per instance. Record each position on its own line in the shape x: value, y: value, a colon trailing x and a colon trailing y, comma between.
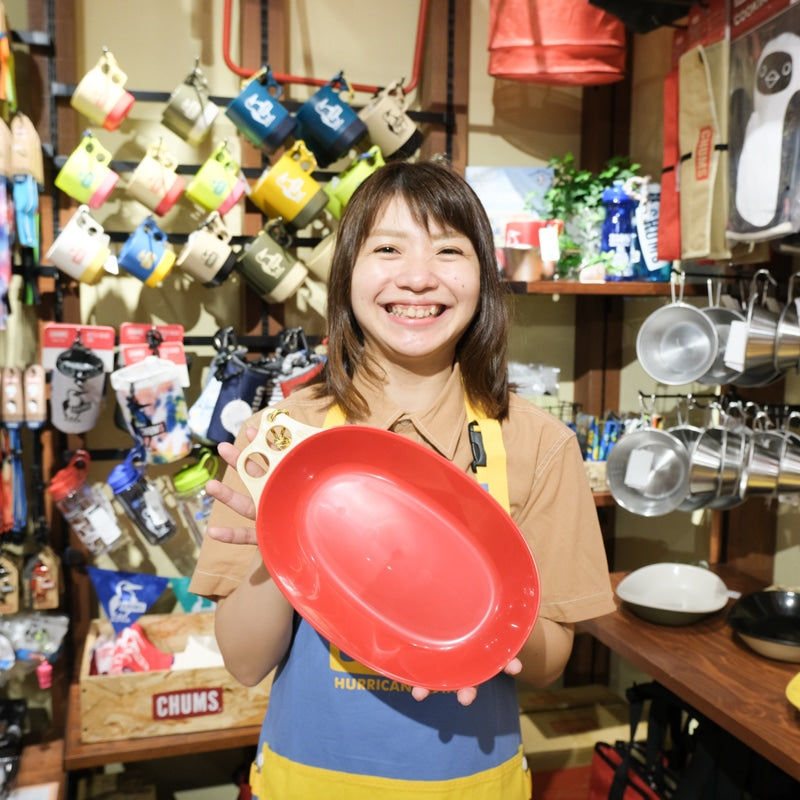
x: 648, y: 472
x: 735, y: 446
x: 721, y: 316
x: 787, y: 336
x: 762, y: 469
x: 677, y: 343
x: 705, y: 458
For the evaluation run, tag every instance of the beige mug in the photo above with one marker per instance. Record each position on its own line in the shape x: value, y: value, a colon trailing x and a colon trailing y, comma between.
x: 207, y: 255
x: 154, y: 182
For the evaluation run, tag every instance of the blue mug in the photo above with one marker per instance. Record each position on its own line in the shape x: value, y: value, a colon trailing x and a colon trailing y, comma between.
x: 146, y: 254
x: 258, y: 114
x: 327, y: 124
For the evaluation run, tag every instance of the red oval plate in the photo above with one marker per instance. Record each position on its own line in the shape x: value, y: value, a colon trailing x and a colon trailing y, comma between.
x: 397, y: 557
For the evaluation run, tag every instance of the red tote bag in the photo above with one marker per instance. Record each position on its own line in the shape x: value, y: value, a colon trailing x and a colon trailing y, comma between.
x: 561, y: 42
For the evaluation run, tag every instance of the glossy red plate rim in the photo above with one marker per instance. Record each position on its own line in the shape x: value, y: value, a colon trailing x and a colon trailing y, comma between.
x: 293, y: 548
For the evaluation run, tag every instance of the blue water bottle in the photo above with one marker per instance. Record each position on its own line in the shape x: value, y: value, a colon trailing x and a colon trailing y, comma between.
x: 618, y: 232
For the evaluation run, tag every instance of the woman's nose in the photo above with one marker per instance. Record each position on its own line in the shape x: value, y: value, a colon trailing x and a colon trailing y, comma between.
x: 417, y: 274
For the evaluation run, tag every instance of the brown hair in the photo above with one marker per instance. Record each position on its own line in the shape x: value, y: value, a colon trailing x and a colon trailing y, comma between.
x: 434, y: 192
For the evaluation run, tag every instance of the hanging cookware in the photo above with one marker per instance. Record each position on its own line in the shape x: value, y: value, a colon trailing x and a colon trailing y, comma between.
x: 721, y: 315
x: 751, y: 345
x: 677, y: 343
x: 787, y: 335
x: 648, y: 472
x: 391, y: 552
x: 704, y: 465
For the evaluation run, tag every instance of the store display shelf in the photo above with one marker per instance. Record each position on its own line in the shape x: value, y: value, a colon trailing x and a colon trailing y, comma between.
x: 80, y: 755
x: 618, y: 288
x: 603, y: 499
x: 713, y: 671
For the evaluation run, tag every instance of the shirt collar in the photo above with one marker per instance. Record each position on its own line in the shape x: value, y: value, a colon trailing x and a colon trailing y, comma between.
x: 440, y: 425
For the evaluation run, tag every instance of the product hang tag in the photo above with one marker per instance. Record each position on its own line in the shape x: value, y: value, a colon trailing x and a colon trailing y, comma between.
x: 9, y: 584
x: 26, y: 149
x: 42, y: 585
x: 639, y: 467
x: 5, y: 149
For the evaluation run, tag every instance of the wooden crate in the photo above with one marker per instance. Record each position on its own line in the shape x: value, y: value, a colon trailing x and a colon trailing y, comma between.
x: 137, y: 705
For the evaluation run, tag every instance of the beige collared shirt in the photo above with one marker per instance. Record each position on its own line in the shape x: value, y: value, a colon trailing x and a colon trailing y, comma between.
x: 550, y: 498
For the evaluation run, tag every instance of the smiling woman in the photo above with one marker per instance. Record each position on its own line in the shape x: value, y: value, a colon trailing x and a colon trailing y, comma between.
x: 417, y: 347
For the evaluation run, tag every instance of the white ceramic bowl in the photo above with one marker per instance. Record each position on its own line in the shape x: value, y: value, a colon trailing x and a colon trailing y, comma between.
x: 673, y: 594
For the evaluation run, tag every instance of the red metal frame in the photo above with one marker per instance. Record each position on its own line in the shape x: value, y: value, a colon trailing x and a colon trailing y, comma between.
x: 299, y: 79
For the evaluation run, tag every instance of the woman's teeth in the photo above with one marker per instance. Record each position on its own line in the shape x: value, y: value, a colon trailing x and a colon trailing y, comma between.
x: 414, y: 312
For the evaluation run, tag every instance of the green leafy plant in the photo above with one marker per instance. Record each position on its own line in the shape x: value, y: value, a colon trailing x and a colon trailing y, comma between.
x: 576, y: 197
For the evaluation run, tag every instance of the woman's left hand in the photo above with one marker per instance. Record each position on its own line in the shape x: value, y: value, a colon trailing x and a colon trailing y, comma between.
x: 468, y: 694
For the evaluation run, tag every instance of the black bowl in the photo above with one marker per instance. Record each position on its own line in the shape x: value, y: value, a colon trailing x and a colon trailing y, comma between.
x: 769, y: 622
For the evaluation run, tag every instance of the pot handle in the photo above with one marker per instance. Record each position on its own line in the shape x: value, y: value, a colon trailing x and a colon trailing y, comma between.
x: 277, y: 433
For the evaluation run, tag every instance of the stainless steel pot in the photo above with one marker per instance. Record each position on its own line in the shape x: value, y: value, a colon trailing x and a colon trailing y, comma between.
x: 648, y: 472
x: 677, y: 343
x: 721, y: 317
x: 705, y: 458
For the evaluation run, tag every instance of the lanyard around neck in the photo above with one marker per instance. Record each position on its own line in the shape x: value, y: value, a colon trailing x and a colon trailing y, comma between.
x: 488, y: 451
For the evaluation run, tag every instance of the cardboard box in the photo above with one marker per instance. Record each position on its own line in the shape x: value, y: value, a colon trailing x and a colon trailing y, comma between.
x: 561, y: 726
x: 114, y: 786
x: 137, y: 705
x: 596, y: 473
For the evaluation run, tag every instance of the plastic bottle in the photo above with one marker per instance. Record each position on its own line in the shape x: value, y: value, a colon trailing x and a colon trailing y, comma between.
x: 618, y: 232
x: 141, y: 499
x: 190, y: 488
x: 84, y: 506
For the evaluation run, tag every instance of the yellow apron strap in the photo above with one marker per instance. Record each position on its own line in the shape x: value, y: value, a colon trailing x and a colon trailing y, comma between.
x: 489, y: 454
x: 334, y: 417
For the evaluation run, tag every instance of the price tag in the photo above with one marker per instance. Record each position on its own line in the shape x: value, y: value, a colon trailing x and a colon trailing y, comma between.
x: 639, y: 468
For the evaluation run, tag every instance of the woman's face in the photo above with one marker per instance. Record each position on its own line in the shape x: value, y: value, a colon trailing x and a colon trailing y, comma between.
x: 414, y: 291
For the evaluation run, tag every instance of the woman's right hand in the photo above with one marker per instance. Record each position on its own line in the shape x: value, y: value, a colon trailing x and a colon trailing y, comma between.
x: 239, y: 502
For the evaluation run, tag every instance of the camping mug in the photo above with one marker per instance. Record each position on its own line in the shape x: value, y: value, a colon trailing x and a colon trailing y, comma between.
x: 258, y: 114
x: 189, y: 112
x: 101, y: 94
x: 268, y: 267
x: 153, y: 405
x: 76, y: 389
x: 207, y: 255
x: 86, y: 175
x: 154, y: 182
x: 146, y: 254
x: 319, y: 260
x: 81, y: 249
x: 328, y: 124
x: 388, y: 125
x: 218, y: 185
x: 288, y: 190
x: 340, y: 189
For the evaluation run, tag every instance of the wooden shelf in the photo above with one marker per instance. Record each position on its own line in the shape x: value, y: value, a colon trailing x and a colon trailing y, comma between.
x: 604, y: 499
x: 43, y: 763
x: 713, y: 671
x: 613, y: 288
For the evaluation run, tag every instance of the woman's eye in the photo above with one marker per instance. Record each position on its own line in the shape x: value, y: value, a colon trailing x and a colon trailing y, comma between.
x: 386, y: 248
x: 451, y: 251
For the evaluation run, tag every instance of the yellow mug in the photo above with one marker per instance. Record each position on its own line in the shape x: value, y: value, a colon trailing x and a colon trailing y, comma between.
x: 288, y: 190
x: 218, y: 185
x: 86, y: 174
